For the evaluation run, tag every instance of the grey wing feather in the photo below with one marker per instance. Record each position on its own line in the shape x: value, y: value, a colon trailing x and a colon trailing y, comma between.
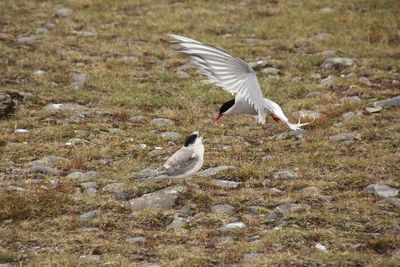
x: 232, y: 74
x: 180, y: 162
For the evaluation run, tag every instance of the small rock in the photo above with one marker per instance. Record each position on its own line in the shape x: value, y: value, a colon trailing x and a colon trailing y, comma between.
x: 135, y: 240
x: 214, y: 170
x: 177, y: 223
x: 90, y: 191
x: 381, y: 190
x: 395, y: 101
x: 351, y: 98
x: 273, y: 191
x: 321, y: 247
x: 83, y: 177
x: 345, y: 137
x: 161, y: 122
x: 114, y: 187
x: 162, y: 199
x: 233, y: 226
x: 77, y: 191
x: 182, y: 74
x: 288, y: 208
x: 28, y: 40
x: 87, y: 185
x: 21, y: 131
x: 366, y: 81
x: 252, y: 256
x: 40, y: 73
x: 170, y: 136
x: 327, y: 54
x: 311, y: 191
x: 348, y: 115
x: 42, y: 30
x: 396, y: 255
x: 225, y: 239
x: 394, y: 201
x: 373, y: 110
x: 222, y: 209
x: 64, y: 107
x: 323, y: 36
x: 63, y: 12
x: 272, y: 217
x: 296, y: 79
x: 130, y: 59
x: 90, y: 257
x: 225, y: 184
x: 75, y: 141
x: 89, y: 215
x: 258, y: 64
x: 15, y: 188
x: 337, y: 62
x: 78, y: 80
x: 327, y: 10
x: 84, y: 33
x: 285, y: 174
x: 136, y: 119
x: 270, y: 71
x: 41, y: 168
x: 89, y: 229
x: 305, y: 113
x: 328, y: 82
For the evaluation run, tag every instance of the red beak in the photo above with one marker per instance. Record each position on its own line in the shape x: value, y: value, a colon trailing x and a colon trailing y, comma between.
x: 218, y: 118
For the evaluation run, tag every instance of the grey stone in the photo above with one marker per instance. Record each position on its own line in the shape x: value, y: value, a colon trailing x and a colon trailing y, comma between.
x: 63, y: 12
x: 225, y: 184
x: 394, y: 201
x: 6, y: 103
x: 233, y: 226
x: 321, y: 247
x: 130, y: 59
x: 114, y: 187
x: 84, y: 33
x: 162, y: 199
x: 177, y: 223
x: 170, y: 136
x: 89, y: 215
x: 75, y: 141
x: 64, y: 107
x: 395, y: 101
x: 327, y: 10
x: 296, y: 79
x: 366, y: 81
x: 345, y: 137
x: 161, y: 122
x: 40, y: 73
x: 15, y: 188
x: 348, y: 115
x: 285, y: 174
x: 135, y: 240
x: 78, y: 80
x: 222, y: 209
x: 288, y: 208
x: 41, y: 168
x: 90, y: 191
x: 87, y: 185
x: 47, y: 160
x: 215, y: 170
x: 225, y: 239
x: 327, y: 53
x: 83, y: 176
x: 137, y: 118
x: 337, y: 62
x: 270, y: 71
x: 396, y: 255
x: 42, y: 30
x: 351, y: 98
x: 311, y: 191
x: 90, y: 257
x: 27, y: 40
x: 273, y: 191
x: 328, y: 82
x: 272, y: 217
x: 182, y: 74
x: 381, y: 190
x: 252, y: 256
x: 151, y: 265
x: 89, y: 229
x: 373, y: 110
x: 305, y: 113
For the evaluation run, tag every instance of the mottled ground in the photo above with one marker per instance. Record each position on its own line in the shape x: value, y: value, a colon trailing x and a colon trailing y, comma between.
x: 82, y: 81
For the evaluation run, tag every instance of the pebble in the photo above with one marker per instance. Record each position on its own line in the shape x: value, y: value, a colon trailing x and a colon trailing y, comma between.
x: 234, y: 226
x: 373, y: 110
x: 130, y: 59
x: 90, y: 257
x: 21, y: 131
x: 270, y: 71
x: 381, y: 190
x: 345, y: 137
x: 215, y: 170
x: 27, y: 40
x: 348, y: 115
x: 135, y: 240
x: 39, y: 73
x: 87, y: 185
x: 75, y: 141
x: 83, y: 176
x: 182, y: 74
x: 366, y: 81
x: 15, y: 188
x: 225, y: 239
x: 89, y: 229
x: 288, y: 208
x: 162, y: 199
x: 177, y: 223
x: 285, y: 174
x: 42, y: 168
x: 90, y: 191
x: 394, y: 201
x: 84, y: 33
x: 225, y: 184
x: 337, y: 62
x: 161, y: 122
x: 311, y: 191
x: 321, y: 247
x: 327, y: 54
x: 222, y: 209
x: 64, y: 107
x: 89, y: 215
x: 136, y: 119
x: 170, y: 136
x: 252, y: 256
x: 323, y: 36
x: 63, y: 12
x: 327, y: 10
x: 396, y: 255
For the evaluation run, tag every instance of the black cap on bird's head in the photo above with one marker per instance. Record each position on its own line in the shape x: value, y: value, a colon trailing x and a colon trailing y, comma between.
x: 191, y: 139
x: 225, y: 106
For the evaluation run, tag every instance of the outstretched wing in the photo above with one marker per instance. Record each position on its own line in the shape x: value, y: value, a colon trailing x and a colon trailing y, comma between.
x: 232, y: 74
x: 180, y: 162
